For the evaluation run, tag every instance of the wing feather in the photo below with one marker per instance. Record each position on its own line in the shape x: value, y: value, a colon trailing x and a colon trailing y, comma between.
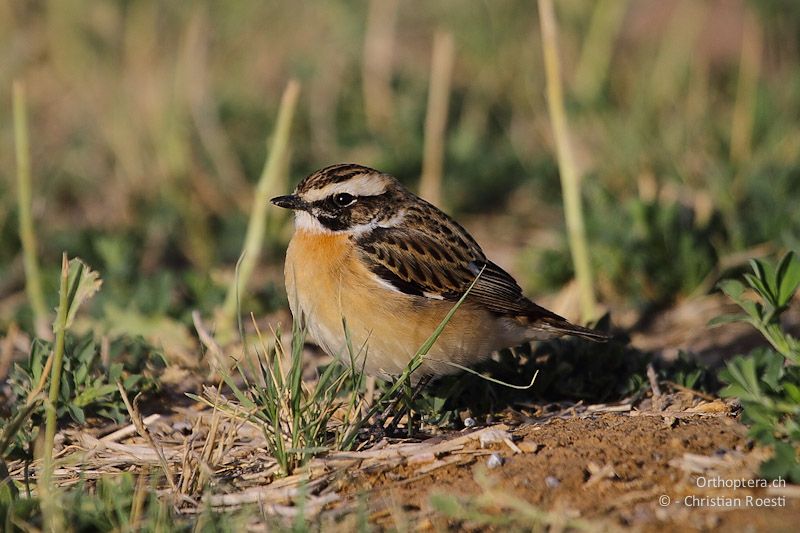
x: 423, y: 265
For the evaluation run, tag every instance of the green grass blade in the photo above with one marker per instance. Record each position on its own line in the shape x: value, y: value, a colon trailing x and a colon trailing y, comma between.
x: 27, y: 234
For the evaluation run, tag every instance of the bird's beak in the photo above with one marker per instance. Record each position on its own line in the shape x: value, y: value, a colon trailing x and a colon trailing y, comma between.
x: 290, y: 201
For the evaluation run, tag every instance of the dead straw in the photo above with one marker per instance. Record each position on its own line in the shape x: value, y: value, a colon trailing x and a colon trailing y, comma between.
x: 570, y: 180
x: 379, y: 39
x: 442, y: 61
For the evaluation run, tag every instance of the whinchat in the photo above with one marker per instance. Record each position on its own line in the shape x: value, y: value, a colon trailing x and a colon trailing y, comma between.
x: 370, y: 254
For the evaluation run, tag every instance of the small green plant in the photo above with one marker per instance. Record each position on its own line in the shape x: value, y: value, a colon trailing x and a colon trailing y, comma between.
x: 88, y: 383
x: 775, y: 288
x: 87, y: 375
x: 293, y: 414
x: 767, y: 381
x: 77, y: 285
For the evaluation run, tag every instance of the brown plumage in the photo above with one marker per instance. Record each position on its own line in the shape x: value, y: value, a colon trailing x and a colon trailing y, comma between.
x: 392, y: 265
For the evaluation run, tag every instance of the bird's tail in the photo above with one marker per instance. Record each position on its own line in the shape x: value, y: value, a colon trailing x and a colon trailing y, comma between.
x: 564, y: 326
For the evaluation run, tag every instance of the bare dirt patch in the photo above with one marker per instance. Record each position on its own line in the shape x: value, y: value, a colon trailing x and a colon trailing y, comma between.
x: 610, y: 469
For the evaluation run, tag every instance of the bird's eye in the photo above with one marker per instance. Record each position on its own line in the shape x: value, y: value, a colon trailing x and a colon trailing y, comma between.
x: 343, y: 199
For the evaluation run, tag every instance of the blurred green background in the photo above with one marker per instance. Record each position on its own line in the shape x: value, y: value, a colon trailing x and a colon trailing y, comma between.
x: 149, y: 122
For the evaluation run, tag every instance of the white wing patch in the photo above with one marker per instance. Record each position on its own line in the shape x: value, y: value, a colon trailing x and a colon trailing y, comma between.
x: 385, y: 283
x: 433, y: 295
x: 362, y: 185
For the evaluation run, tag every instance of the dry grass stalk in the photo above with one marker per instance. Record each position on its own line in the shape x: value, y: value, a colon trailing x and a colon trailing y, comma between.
x: 570, y: 179
x: 653, y: 379
x: 279, y: 492
x: 139, y: 497
x: 110, y: 454
x: 136, y: 418
x: 442, y: 61
x: 746, y: 88
x: 440, y: 464
x: 675, y: 53
x: 597, y: 49
x: 203, y: 112
x: 216, y: 357
x: 129, y: 430
x: 377, y: 68
x: 213, y: 448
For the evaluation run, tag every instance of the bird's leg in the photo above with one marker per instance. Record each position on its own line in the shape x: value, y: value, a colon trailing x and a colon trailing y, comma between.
x: 407, y: 406
x: 378, y: 431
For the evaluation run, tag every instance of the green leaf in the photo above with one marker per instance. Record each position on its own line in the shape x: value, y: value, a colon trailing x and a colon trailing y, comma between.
x: 732, y: 288
x: 246, y: 402
x: 88, y: 396
x: 115, y: 373
x: 773, y: 369
x: 788, y: 278
x: 130, y: 381
x: 38, y: 356
x: 82, y: 284
x: 740, y: 374
x: 765, y: 279
x: 783, y: 464
x: 732, y: 390
x: 726, y: 319
x: 82, y: 372
x: 76, y: 413
x: 754, y: 311
x: 792, y: 392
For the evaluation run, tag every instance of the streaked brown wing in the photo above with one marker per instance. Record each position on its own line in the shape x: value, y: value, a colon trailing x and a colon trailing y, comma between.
x: 440, y: 268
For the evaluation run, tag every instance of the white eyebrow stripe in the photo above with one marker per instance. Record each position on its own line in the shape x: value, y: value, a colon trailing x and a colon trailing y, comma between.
x: 362, y: 185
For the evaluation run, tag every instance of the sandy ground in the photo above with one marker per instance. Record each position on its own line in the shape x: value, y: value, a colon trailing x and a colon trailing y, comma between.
x: 644, y: 471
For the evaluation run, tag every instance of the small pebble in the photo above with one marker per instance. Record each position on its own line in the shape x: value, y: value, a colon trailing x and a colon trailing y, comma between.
x: 552, y: 482
x: 494, y: 460
x: 527, y: 446
x: 469, y: 422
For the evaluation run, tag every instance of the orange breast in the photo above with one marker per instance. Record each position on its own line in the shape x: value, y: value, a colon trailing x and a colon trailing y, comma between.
x: 318, y: 253
x: 326, y: 282
x: 315, y: 266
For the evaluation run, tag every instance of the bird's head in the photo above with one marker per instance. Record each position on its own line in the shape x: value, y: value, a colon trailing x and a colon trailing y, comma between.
x: 346, y: 198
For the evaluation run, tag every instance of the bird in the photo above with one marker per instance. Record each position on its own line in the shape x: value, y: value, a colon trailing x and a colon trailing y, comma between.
x: 372, y: 269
